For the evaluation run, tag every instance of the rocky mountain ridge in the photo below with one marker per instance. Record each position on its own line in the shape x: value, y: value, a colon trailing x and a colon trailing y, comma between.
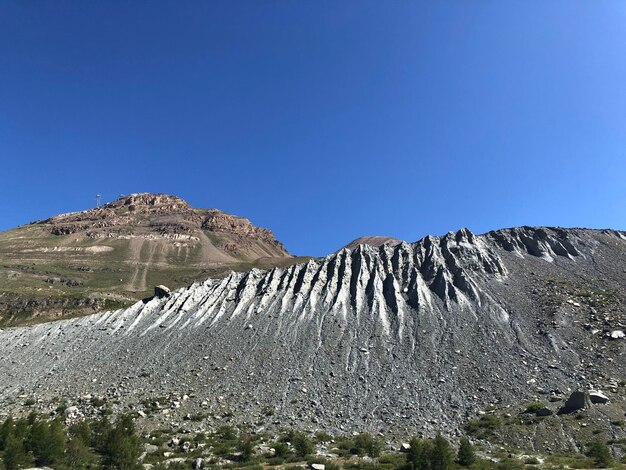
x: 114, y: 254
x: 409, y: 338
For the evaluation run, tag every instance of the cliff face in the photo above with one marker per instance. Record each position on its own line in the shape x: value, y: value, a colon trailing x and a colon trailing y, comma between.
x: 85, y: 261
x: 411, y: 338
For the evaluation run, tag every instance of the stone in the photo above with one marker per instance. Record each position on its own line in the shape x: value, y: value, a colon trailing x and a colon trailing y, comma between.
x: 161, y: 292
x: 150, y: 448
x: 318, y: 466
x: 197, y: 463
x: 543, y: 411
x: 71, y: 411
x: 596, y: 396
x: 577, y: 400
x: 617, y: 334
x: 405, y: 447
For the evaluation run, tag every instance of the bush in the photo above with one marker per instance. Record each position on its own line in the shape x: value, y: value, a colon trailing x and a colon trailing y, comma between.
x: 281, y: 449
x: 600, y: 453
x: 246, y: 447
x: 301, y: 444
x: 365, y: 444
x: 534, y: 406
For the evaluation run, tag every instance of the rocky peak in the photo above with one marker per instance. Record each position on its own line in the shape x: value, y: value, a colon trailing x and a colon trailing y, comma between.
x: 159, y: 215
x: 147, y: 202
x: 374, y: 241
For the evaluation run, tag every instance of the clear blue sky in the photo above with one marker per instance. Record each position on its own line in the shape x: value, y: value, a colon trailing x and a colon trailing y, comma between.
x: 321, y: 120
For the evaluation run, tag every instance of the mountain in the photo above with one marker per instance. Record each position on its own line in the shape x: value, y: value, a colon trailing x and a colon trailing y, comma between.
x: 115, y: 254
x: 373, y: 241
x: 406, y: 339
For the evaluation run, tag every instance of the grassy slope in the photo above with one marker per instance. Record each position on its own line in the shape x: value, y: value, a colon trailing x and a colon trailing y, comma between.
x: 42, y: 274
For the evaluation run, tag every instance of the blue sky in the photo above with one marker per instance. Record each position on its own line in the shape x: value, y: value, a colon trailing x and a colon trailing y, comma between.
x: 324, y: 120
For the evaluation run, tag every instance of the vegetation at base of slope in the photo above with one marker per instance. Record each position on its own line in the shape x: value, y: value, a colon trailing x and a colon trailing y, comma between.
x: 37, y: 440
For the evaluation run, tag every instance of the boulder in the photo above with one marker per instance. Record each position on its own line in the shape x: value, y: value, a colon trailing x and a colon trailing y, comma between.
x: 577, y: 400
x: 617, y: 334
x: 71, y: 411
x: 318, y: 466
x: 161, y: 291
x: 150, y: 448
x: 596, y: 396
x: 543, y: 411
x: 405, y: 447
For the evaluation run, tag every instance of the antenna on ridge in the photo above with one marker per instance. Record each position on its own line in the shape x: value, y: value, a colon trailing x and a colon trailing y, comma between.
x: 98, y: 196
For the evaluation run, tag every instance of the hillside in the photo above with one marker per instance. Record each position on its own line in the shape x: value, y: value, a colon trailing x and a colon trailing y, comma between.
x: 405, y: 339
x: 115, y: 254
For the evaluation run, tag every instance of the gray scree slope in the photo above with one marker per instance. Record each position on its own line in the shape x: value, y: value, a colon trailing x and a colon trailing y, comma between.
x: 413, y: 337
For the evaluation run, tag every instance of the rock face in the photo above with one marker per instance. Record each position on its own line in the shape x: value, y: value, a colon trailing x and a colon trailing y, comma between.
x: 113, y: 254
x: 408, y: 338
x: 577, y: 400
x: 374, y: 241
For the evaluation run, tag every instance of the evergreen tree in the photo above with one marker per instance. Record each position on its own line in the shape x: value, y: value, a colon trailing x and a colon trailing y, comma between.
x: 465, y: 456
x: 417, y: 457
x: 441, y: 454
x: 46, y: 441
x: 246, y: 446
x: 14, y: 454
x: 78, y: 455
x: 121, y: 446
x: 5, y: 430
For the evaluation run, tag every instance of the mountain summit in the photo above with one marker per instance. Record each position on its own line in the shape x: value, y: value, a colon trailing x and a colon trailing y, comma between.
x: 116, y: 253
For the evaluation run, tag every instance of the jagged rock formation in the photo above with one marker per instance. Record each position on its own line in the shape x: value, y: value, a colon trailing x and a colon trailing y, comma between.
x: 373, y: 241
x: 410, y: 338
x: 116, y: 253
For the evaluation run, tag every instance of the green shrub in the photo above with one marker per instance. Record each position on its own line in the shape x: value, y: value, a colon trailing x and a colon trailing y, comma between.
x: 365, y: 444
x: 484, y: 427
x: 302, y: 445
x: 281, y: 449
x: 246, y: 447
x: 534, y: 406
x: 600, y: 453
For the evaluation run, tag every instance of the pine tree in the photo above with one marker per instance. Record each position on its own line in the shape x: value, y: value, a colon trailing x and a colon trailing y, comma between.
x: 121, y: 446
x: 418, y: 454
x: 441, y: 454
x: 5, y: 430
x: 465, y: 456
x: 78, y: 455
x: 46, y: 441
x: 14, y: 454
x: 246, y: 447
